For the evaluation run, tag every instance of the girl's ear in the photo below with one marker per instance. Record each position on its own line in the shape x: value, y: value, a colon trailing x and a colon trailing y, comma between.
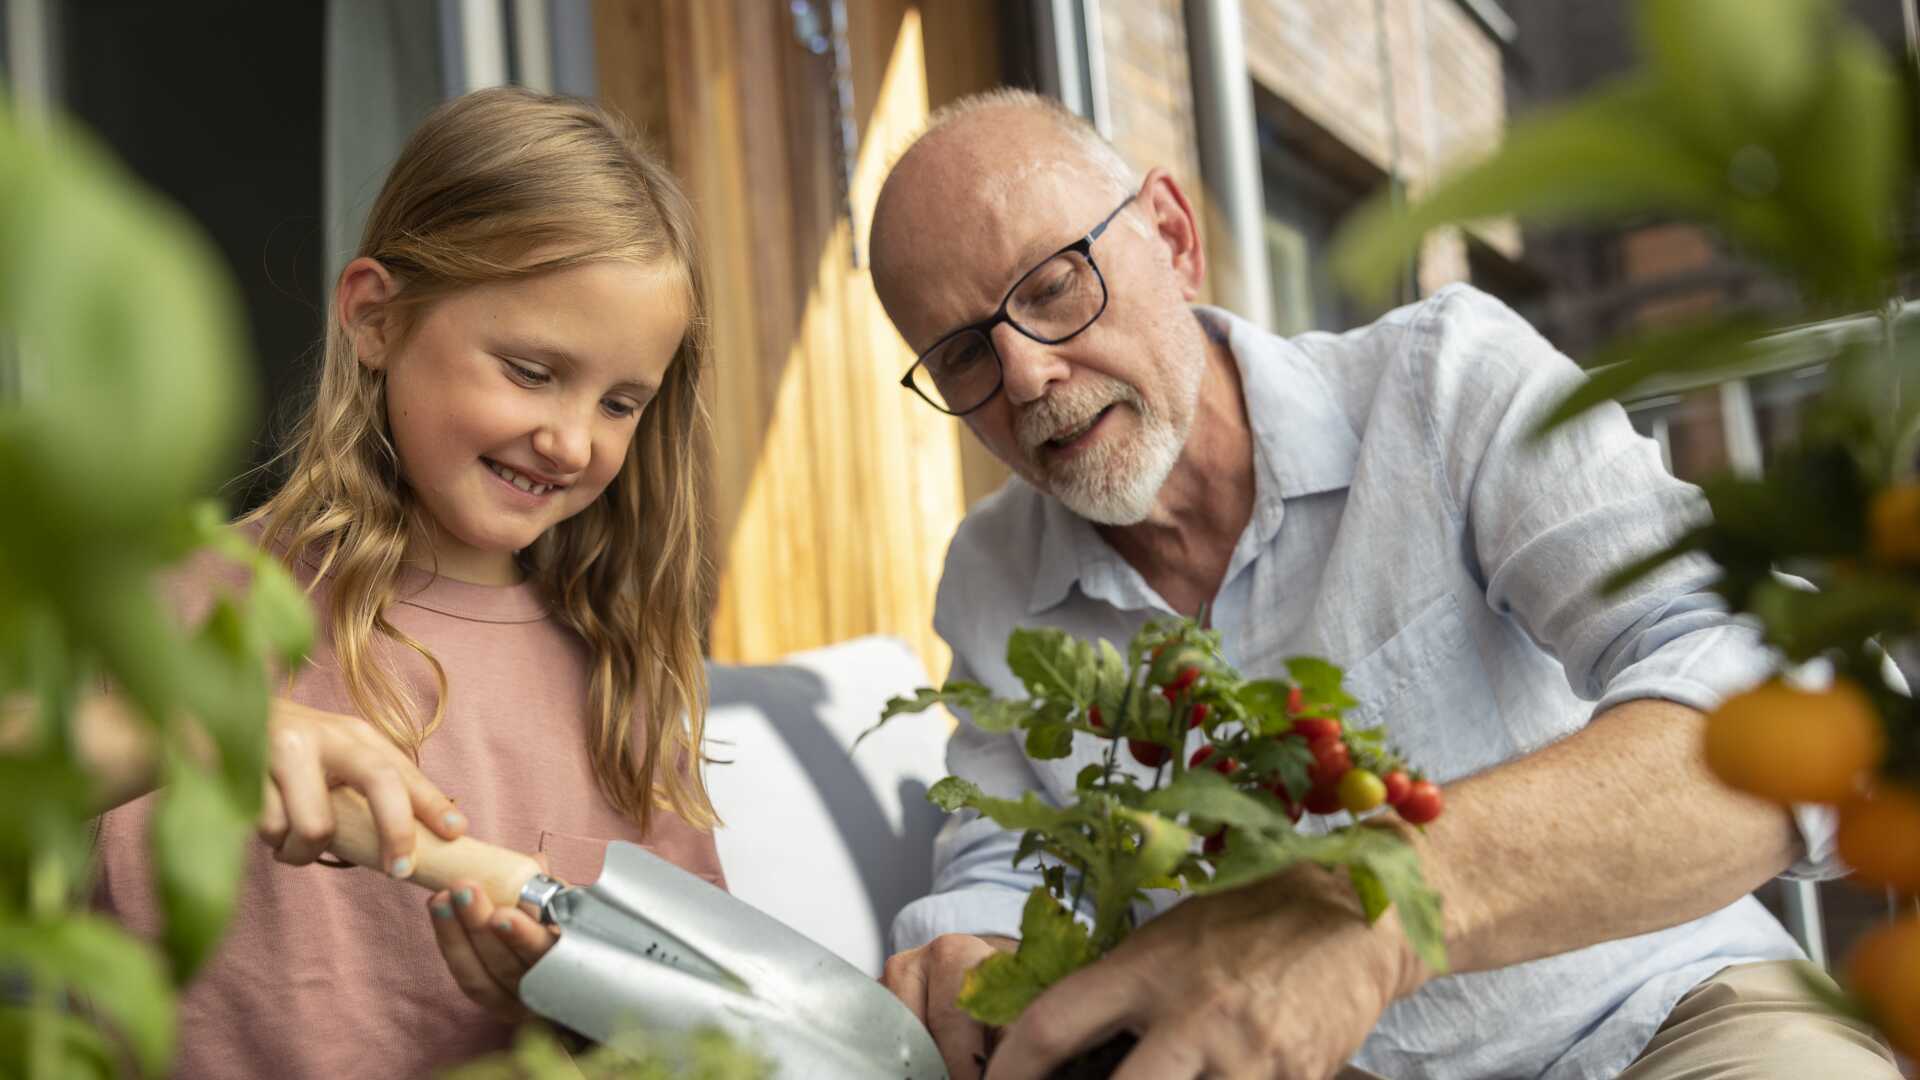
x: 360, y: 303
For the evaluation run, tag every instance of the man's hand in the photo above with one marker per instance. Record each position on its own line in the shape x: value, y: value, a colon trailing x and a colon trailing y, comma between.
x: 1280, y: 979
x: 928, y: 980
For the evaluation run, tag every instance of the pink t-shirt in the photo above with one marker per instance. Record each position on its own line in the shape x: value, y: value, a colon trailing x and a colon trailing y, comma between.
x: 333, y: 972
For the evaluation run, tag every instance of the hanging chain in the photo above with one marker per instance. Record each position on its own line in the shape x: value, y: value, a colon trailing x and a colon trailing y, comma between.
x: 828, y: 38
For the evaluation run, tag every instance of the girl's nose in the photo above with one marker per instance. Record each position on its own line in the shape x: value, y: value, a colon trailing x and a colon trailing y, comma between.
x: 1027, y: 367
x: 566, y: 444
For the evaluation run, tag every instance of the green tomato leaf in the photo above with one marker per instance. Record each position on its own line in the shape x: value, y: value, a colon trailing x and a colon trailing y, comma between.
x: 1203, y: 793
x: 1111, y: 676
x: 1263, y: 705
x: 1392, y: 870
x: 1046, y: 741
x: 959, y: 694
x: 953, y: 793
x: 1089, y: 776
x: 1052, y: 946
x: 120, y: 974
x: 1373, y: 895
x: 1319, y: 684
x: 1053, y: 664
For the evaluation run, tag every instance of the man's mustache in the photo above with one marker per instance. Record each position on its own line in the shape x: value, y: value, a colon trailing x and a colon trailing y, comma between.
x: 1070, y: 408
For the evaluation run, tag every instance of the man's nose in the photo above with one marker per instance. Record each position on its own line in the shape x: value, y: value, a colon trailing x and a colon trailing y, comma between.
x: 1027, y: 367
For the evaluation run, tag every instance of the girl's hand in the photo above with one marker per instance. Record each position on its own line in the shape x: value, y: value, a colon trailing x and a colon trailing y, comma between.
x: 311, y: 751
x: 487, y: 948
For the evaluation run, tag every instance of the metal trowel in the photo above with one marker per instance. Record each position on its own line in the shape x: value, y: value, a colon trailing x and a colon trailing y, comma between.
x: 651, y: 946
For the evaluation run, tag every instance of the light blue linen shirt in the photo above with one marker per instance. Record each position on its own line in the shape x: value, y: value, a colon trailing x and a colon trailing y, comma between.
x: 1407, y: 528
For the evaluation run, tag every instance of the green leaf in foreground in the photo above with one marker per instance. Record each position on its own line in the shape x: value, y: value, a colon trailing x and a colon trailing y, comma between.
x: 199, y: 842
x: 1381, y: 865
x: 1052, y: 946
x: 119, y: 974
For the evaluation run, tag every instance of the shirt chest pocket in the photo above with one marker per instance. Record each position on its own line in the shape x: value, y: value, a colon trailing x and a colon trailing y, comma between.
x: 1426, y: 687
x: 576, y: 860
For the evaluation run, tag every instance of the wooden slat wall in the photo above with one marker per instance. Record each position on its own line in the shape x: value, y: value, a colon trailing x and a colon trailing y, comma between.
x: 834, y: 490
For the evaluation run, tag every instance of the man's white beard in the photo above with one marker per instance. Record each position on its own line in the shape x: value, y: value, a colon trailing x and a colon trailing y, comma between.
x: 1117, y: 480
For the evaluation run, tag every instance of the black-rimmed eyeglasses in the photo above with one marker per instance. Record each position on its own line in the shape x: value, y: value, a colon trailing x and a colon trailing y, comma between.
x: 1050, y: 303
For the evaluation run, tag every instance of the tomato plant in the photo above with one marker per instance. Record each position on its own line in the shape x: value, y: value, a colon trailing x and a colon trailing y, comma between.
x: 1213, y: 817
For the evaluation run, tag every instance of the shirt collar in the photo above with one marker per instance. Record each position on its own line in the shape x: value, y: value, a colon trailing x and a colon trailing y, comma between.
x: 1303, y: 445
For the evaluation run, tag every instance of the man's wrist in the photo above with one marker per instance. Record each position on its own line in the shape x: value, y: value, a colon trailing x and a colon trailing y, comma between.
x: 1393, y: 965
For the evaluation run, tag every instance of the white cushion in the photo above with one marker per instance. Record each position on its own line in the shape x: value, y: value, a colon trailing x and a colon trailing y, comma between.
x: 831, y: 844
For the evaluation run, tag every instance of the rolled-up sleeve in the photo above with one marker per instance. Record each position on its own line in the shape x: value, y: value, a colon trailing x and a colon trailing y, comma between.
x: 1550, y: 517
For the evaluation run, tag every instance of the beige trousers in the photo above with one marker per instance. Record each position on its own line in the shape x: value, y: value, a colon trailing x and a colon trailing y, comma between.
x: 1752, y: 1022
x: 1757, y: 1022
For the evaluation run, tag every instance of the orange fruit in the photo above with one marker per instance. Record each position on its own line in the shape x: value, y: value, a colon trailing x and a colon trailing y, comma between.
x: 1880, y: 837
x: 1792, y: 745
x: 1893, y: 525
x: 1883, y: 970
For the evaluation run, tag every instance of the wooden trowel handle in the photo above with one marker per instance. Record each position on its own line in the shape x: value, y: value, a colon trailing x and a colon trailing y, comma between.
x: 437, y: 863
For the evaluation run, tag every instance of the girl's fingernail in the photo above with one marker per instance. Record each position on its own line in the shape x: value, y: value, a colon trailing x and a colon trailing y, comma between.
x: 402, y: 866
x: 454, y: 819
x: 442, y: 911
x: 463, y: 897
x: 503, y: 924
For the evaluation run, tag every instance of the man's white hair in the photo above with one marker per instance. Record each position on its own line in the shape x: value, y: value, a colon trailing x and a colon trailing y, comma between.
x: 1093, y: 146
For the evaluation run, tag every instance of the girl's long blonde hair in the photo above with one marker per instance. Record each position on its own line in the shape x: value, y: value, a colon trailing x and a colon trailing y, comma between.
x: 498, y: 185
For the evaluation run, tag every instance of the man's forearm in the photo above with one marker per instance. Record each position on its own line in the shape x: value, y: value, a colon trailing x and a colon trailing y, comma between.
x: 1617, y: 830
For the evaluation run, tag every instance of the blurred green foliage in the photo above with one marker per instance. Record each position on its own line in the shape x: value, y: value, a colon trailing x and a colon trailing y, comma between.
x: 131, y: 391
x: 1789, y: 132
x: 700, y: 1055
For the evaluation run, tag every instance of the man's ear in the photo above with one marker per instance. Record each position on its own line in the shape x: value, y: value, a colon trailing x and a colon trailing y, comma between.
x: 360, y: 304
x: 1178, y: 228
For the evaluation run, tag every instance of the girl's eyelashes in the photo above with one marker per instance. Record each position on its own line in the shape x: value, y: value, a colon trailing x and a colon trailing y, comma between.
x: 527, y: 375
x: 617, y: 408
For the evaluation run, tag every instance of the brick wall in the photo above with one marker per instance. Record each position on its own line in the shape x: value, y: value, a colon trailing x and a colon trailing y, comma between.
x: 1150, y: 88
x: 1323, y: 59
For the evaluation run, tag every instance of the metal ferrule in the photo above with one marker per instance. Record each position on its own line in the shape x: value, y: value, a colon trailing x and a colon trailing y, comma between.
x: 537, y: 896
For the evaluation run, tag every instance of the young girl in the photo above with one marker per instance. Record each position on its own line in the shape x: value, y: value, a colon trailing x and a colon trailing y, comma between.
x: 493, y: 501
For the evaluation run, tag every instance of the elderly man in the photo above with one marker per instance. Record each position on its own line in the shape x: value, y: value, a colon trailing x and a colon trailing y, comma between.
x: 1374, y: 498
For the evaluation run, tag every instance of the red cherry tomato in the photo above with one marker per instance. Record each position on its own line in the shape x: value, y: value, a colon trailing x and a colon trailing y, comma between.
x: 1296, y: 701
x: 1216, y: 841
x: 1313, y: 728
x: 1093, y: 717
x: 1323, y: 800
x: 1178, y: 685
x: 1422, y: 804
x: 1279, y: 791
x: 1199, y: 714
x: 1331, y: 760
x: 1398, y: 784
x: 1150, y: 754
x: 1225, y: 766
